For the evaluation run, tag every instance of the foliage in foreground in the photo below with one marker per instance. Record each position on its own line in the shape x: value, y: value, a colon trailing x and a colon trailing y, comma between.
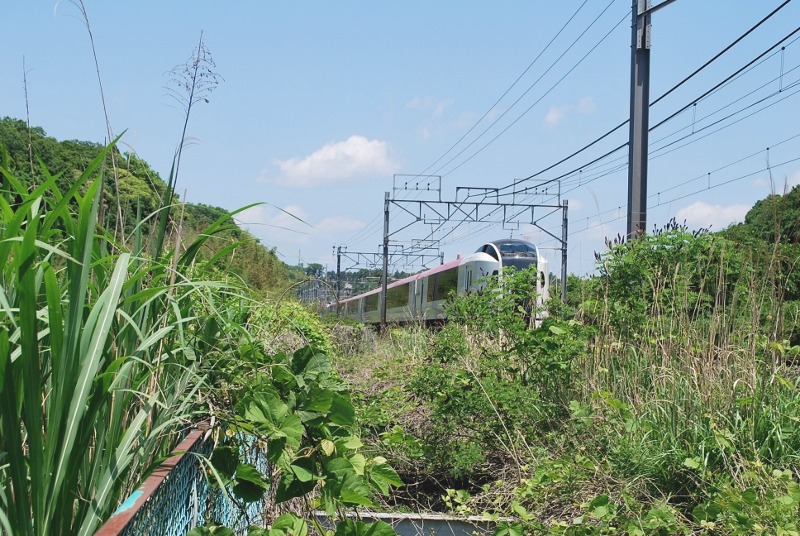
x: 665, y: 402
x: 106, y: 354
x: 296, y: 406
x: 95, y: 378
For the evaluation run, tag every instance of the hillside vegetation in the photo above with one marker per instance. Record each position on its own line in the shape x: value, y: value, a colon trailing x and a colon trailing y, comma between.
x: 134, y: 192
x: 663, y: 399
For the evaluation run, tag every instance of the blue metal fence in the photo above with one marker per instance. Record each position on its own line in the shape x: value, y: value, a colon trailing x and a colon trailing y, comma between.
x: 178, y: 496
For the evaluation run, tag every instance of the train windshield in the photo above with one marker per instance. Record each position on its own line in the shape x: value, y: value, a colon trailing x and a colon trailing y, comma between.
x: 516, y: 249
x: 516, y: 253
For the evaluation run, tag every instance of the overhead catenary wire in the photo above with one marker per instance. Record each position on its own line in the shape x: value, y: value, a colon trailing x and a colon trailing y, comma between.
x: 587, y: 178
x: 571, y: 18
x: 370, y: 227
x: 716, y: 57
x: 525, y: 112
x: 724, y: 81
x: 690, y: 194
x: 721, y: 52
x: 670, y: 146
x: 507, y: 91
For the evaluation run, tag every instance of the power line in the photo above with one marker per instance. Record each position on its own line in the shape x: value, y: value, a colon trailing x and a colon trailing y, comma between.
x: 720, y: 53
x: 727, y: 79
x: 546, y: 93
x: 669, y: 91
x: 538, y: 56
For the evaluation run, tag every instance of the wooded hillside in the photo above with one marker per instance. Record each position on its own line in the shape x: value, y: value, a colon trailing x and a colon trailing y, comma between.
x: 132, y: 186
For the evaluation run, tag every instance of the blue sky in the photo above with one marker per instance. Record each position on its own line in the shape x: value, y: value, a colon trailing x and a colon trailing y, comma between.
x: 323, y: 102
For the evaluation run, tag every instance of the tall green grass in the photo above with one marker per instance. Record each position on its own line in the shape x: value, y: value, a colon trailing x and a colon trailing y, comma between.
x: 708, y: 372
x: 97, y: 370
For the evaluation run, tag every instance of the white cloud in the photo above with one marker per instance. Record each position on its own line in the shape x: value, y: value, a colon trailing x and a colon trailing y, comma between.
x: 586, y: 105
x: 355, y: 158
x: 575, y: 205
x: 339, y: 224
x: 281, y: 228
x: 556, y: 114
x: 437, y: 107
x: 793, y: 180
x: 787, y: 183
x: 717, y: 217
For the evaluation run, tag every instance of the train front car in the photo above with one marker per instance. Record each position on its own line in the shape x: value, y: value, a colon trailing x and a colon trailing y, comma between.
x: 522, y: 255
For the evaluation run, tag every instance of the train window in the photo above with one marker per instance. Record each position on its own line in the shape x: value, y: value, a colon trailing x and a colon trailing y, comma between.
x: 517, y: 249
x: 446, y: 282
x: 397, y: 297
x: 490, y: 250
x: 431, y: 288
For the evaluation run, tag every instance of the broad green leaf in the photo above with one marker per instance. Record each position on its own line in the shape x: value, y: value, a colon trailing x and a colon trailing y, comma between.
x: 750, y: 496
x: 213, y: 530
x: 692, y: 463
x: 276, y: 447
x: 293, y: 428
x: 290, y: 487
x: 318, y: 364
x: 353, y: 443
x: 327, y: 446
x: 342, y: 411
x: 304, y: 469
x: 383, y: 476
x: 354, y: 491
x: 380, y: 528
x: 289, y: 525
x: 225, y: 460
x: 509, y: 529
x: 283, y: 377
x: 359, y: 463
x: 317, y: 400
x: 250, y: 484
x: 248, y: 473
x: 301, y: 358
x: 349, y: 527
x: 248, y: 492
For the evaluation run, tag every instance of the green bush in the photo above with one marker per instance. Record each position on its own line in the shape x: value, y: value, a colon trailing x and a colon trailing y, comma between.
x: 492, y: 380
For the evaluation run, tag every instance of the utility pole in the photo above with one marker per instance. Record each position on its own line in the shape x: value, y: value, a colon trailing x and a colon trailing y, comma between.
x: 640, y: 115
x: 338, y: 274
x: 564, y: 235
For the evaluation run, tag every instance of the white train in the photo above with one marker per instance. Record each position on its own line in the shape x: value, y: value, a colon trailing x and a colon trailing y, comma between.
x: 422, y: 297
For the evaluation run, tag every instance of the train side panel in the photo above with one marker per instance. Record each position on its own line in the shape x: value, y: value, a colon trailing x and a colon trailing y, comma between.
x: 423, y: 296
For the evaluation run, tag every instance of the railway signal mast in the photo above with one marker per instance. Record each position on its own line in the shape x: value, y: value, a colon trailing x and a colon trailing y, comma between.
x: 486, y: 208
x: 412, y: 257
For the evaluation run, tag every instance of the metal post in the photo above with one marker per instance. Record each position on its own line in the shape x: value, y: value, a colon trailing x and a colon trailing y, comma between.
x: 338, y: 275
x: 564, y: 234
x: 640, y: 119
x: 385, y: 280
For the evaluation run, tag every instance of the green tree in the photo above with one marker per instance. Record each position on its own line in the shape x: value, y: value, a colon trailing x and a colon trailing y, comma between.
x: 775, y: 218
